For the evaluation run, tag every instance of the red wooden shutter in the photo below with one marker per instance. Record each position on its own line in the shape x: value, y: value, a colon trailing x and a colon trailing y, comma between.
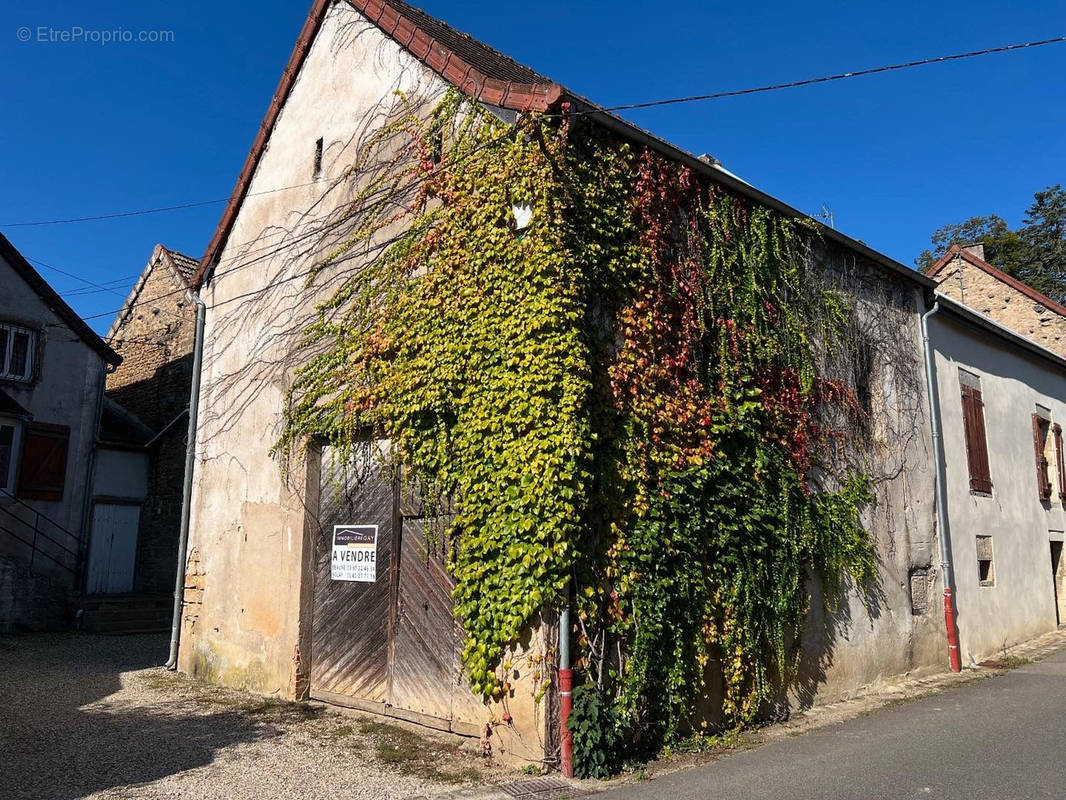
x: 1043, y: 485
x: 973, y: 419
x: 43, y: 466
x: 1060, y: 462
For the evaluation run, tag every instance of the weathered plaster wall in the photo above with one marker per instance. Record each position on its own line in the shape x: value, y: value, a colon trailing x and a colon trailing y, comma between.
x: 67, y: 392
x: 1021, y: 603
x: 249, y: 557
x: 897, y: 627
x: 982, y: 292
x: 249, y: 585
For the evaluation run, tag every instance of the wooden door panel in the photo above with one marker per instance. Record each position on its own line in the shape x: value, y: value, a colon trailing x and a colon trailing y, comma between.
x: 350, y: 620
x: 426, y: 673
x: 422, y: 672
x: 113, y: 548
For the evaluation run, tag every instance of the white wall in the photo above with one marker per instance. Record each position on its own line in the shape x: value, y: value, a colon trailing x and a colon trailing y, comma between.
x: 1021, y: 603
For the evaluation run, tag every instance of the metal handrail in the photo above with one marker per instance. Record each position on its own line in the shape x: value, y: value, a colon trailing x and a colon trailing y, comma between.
x: 38, y: 533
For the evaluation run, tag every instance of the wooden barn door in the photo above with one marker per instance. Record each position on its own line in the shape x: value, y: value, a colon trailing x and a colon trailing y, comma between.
x: 350, y: 619
x: 391, y: 646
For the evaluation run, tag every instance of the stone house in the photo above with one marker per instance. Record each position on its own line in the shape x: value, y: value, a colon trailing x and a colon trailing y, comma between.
x: 263, y: 609
x: 153, y: 332
x: 964, y: 275
x: 52, y: 372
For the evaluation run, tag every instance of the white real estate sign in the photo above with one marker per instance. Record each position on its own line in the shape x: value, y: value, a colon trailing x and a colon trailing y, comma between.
x: 355, y: 551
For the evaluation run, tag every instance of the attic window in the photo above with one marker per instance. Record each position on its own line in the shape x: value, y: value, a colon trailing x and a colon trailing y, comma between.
x: 317, y: 173
x: 17, y: 353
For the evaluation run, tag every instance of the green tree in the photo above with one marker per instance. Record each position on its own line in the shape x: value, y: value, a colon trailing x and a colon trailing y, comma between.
x: 1002, y: 245
x: 1043, y: 244
x: 1034, y: 253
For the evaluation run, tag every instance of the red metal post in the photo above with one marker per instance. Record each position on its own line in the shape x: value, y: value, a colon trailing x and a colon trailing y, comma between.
x: 949, y: 623
x: 566, y: 703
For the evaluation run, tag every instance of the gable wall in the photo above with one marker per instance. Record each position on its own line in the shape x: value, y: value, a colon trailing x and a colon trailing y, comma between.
x: 243, y: 622
x: 155, y: 341
x: 962, y: 281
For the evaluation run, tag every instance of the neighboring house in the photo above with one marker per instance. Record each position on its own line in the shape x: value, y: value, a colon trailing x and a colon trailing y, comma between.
x: 1002, y: 408
x: 153, y: 332
x: 964, y: 275
x: 52, y: 369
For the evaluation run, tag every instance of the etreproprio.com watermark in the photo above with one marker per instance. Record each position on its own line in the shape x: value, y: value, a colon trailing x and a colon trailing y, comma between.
x: 76, y: 34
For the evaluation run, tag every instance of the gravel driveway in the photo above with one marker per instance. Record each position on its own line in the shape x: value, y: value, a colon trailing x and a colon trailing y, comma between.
x: 95, y: 716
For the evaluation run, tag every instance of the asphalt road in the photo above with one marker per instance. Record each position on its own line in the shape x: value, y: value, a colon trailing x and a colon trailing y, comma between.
x: 1002, y: 738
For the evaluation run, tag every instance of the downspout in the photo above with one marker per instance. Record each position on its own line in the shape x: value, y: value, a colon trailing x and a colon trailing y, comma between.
x: 941, y: 494
x: 566, y: 673
x: 566, y: 688
x: 186, y: 492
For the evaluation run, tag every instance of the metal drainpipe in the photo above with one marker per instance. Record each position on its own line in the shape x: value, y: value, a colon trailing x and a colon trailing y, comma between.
x: 566, y: 688
x: 941, y: 496
x: 186, y: 492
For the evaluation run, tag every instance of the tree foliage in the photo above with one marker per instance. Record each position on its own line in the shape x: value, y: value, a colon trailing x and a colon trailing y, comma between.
x: 1035, y: 253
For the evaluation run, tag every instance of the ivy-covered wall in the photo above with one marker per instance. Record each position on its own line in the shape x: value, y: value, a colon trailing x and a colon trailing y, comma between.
x: 672, y: 407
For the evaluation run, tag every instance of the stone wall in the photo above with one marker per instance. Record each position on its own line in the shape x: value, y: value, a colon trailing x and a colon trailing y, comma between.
x: 985, y: 293
x: 30, y: 602
x: 155, y: 340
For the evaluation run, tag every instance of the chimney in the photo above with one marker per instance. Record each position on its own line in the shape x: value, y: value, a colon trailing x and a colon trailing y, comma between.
x: 975, y: 249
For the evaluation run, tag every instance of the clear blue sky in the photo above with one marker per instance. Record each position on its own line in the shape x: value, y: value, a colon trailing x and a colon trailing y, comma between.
x: 93, y: 129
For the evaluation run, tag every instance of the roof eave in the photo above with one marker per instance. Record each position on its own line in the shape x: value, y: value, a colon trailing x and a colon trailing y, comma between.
x: 738, y: 186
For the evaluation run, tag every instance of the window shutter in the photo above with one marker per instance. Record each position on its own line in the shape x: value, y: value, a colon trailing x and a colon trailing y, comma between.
x: 43, y: 466
x: 1060, y: 462
x: 973, y: 419
x: 1043, y: 485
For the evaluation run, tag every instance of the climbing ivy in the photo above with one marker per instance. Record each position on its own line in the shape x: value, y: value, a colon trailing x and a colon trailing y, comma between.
x: 625, y: 395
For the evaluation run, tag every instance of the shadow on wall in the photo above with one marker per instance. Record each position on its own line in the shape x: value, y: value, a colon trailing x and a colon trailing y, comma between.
x: 828, y: 622
x: 63, y: 735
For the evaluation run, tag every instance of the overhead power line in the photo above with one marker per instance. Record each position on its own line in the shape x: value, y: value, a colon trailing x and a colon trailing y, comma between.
x: 773, y: 87
x: 622, y: 107
x: 271, y: 250
x: 144, y: 211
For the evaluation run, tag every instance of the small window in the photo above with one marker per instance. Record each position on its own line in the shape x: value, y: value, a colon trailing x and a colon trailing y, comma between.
x: 43, y: 462
x: 986, y: 568
x: 973, y: 421
x: 1041, y: 435
x: 17, y: 352
x: 317, y: 170
x: 8, y: 450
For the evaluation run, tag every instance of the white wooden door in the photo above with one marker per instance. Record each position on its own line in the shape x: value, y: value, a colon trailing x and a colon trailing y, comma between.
x: 113, y: 548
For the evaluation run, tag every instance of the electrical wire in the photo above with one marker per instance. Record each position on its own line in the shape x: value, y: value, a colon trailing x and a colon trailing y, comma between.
x: 144, y: 211
x: 828, y: 78
x: 621, y: 107
x: 316, y: 232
